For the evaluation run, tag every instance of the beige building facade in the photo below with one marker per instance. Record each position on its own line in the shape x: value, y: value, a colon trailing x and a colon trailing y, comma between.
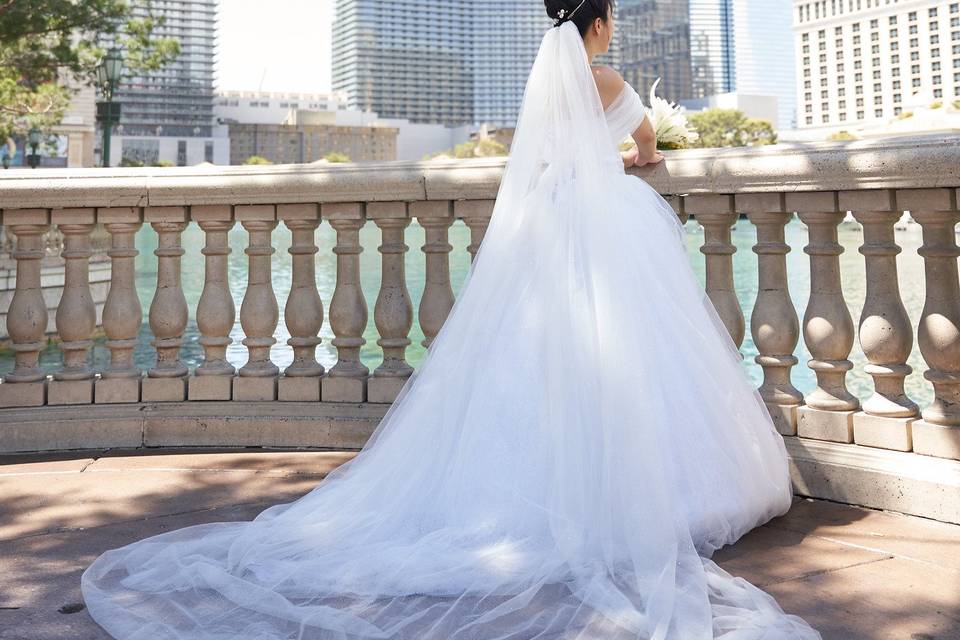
x: 301, y: 143
x: 861, y: 61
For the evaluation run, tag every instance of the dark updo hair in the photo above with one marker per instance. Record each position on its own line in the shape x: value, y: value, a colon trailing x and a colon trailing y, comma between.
x: 583, y: 17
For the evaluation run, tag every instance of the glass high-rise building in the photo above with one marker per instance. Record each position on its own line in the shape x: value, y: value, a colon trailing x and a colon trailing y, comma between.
x: 408, y: 59
x: 702, y: 48
x: 178, y: 97
x: 653, y: 40
x: 712, y: 47
x: 763, y: 61
x: 167, y: 114
x: 506, y: 36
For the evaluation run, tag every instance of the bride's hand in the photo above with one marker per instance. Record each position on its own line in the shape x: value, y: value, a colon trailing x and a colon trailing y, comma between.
x: 655, y: 159
x: 630, y: 157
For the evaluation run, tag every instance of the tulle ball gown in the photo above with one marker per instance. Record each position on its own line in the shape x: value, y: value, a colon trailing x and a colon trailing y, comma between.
x: 579, y: 440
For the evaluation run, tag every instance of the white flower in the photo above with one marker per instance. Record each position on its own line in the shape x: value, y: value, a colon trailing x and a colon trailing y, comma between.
x: 669, y: 121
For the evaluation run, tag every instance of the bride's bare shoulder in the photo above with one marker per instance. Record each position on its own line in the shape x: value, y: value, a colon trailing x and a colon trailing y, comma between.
x: 609, y: 83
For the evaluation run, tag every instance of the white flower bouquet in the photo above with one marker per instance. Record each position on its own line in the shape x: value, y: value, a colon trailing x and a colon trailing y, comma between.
x: 670, y: 122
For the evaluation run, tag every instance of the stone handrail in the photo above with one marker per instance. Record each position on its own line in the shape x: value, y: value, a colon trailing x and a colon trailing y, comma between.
x: 305, y: 405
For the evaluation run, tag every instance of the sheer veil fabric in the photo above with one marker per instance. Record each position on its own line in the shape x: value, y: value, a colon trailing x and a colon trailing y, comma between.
x: 579, y: 440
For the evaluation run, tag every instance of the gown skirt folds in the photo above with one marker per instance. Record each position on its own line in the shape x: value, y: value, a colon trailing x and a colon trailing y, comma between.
x: 579, y: 440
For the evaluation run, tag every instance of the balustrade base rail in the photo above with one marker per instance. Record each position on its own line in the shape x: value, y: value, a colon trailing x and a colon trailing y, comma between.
x: 849, y: 473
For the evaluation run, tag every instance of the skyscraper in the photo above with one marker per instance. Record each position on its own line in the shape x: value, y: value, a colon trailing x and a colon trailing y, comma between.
x: 860, y: 61
x: 168, y: 113
x: 711, y: 45
x: 506, y: 36
x: 702, y: 48
x: 451, y: 62
x: 407, y: 59
x: 763, y: 62
x: 653, y: 38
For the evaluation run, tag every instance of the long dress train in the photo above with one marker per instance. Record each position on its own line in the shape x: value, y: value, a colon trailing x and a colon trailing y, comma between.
x: 579, y: 440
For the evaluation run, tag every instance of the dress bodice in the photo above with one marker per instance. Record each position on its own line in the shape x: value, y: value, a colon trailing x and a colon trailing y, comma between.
x: 624, y: 114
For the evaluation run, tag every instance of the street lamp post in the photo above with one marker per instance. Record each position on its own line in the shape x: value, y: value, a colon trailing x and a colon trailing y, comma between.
x: 34, y: 138
x: 108, y: 111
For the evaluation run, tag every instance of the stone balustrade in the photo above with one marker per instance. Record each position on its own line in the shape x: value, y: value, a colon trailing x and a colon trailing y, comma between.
x: 879, y: 451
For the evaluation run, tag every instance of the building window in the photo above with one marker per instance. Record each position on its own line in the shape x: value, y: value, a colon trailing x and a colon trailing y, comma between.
x: 208, y: 151
x: 878, y: 113
x: 181, y: 153
x: 809, y: 119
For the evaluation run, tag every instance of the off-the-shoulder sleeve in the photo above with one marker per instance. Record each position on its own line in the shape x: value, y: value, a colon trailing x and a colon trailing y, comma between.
x: 626, y: 113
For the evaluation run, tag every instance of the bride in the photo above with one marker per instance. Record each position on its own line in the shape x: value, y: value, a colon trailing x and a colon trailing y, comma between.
x: 578, y: 442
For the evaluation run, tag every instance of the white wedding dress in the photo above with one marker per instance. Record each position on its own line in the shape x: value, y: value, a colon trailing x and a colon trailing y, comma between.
x: 580, y: 438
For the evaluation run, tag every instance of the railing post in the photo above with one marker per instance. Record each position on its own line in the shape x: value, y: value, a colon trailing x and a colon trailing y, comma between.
x: 27, y: 316
x: 76, y: 314
x: 122, y: 314
x: 717, y: 215
x: 476, y: 215
x: 886, y: 335
x: 347, y: 380
x: 393, y: 312
x: 303, y: 313
x: 827, y: 324
x: 216, y: 311
x: 166, y: 382
x: 938, y: 433
x: 435, y: 217
x: 774, y: 325
x: 259, y: 311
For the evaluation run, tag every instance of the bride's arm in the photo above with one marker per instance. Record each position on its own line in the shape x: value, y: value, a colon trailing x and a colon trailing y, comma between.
x: 609, y: 85
x: 646, y: 151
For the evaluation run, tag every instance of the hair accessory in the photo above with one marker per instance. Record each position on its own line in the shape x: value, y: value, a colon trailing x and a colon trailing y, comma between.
x: 563, y: 16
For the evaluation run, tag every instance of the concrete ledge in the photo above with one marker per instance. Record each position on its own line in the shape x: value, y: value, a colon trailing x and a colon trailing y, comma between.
x: 919, y: 162
x: 876, y: 478
x: 189, y: 424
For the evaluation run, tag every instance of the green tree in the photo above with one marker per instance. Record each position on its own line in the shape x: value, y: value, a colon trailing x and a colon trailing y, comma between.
x: 336, y: 156
x: 45, y: 42
x: 731, y: 128
x: 841, y: 136
x: 257, y: 160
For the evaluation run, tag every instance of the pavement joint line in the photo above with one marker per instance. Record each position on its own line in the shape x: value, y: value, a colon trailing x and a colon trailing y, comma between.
x: 864, y: 547
x: 892, y: 554
x: 812, y: 574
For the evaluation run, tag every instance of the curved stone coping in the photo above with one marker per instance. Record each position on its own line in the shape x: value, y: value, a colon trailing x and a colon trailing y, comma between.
x: 852, y: 474
x: 915, y: 162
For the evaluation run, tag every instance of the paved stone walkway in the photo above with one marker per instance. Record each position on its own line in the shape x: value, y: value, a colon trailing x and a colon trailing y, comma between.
x: 852, y: 573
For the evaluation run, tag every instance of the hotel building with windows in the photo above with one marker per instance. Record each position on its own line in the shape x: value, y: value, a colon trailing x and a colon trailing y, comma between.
x: 864, y: 61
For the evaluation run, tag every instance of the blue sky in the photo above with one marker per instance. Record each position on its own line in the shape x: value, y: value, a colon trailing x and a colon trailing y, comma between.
x: 285, y: 44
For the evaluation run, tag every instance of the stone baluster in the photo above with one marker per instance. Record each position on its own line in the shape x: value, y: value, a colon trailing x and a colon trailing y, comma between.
x: 347, y: 379
x: 122, y: 314
x: 27, y: 318
x: 938, y: 433
x: 216, y: 311
x: 886, y: 335
x: 476, y: 215
x: 303, y: 312
x: 717, y: 215
x: 76, y: 314
x: 166, y: 382
x: 393, y: 312
x: 435, y: 217
x: 827, y: 324
x: 677, y: 202
x: 259, y: 312
x: 774, y: 325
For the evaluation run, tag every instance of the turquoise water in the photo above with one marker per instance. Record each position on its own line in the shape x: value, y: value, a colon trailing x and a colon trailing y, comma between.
x: 745, y: 275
